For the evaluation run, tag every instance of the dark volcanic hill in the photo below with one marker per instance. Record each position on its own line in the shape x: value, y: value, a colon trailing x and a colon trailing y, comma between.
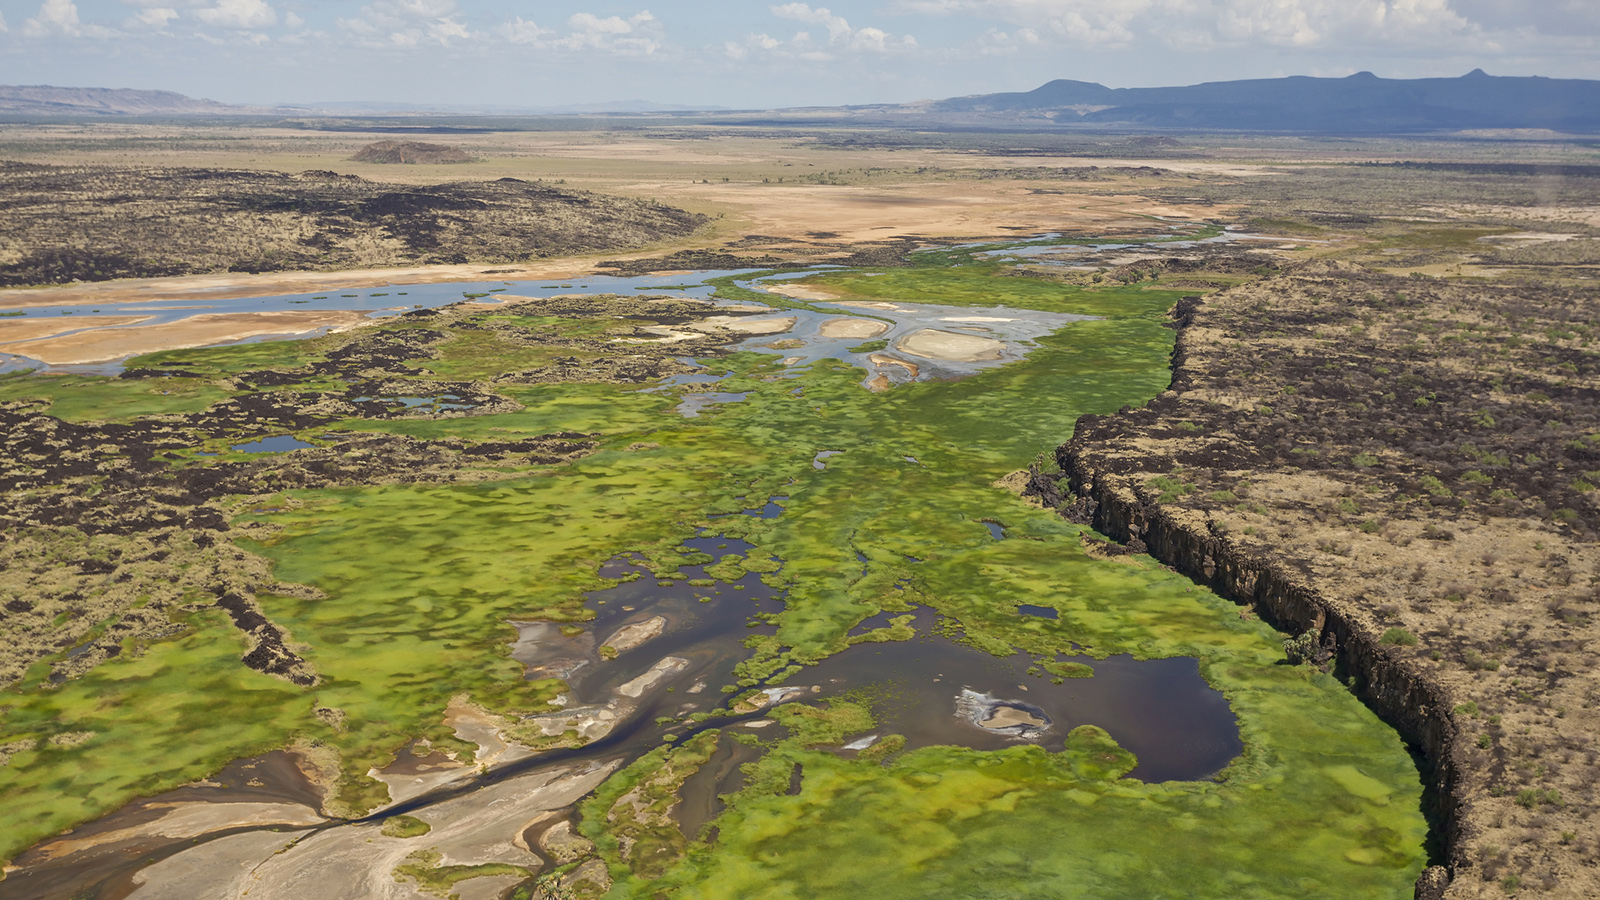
x: 1360, y: 103
x: 410, y: 152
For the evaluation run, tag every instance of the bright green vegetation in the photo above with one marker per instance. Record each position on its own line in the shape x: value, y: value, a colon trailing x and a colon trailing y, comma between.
x: 405, y: 827
x: 208, y: 361
x: 420, y: 580
x: 422, y: 867
x: 81, y: 398
x: 977, y: 285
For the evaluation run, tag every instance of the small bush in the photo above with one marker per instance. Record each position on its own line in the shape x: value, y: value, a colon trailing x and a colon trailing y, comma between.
x: 1476, y: 477
x: 1301, y: 649
x: 1528, y: 798
x: 1364, y: 460
x: 1469, y: 708
x: 1398, y: 637
x: 1434, y: 486
x: 1485, y: 742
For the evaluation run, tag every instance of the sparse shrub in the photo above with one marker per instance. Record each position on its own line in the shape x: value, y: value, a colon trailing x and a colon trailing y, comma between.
x: 1476, y: 477
x: 1528, y: 798
x: 1170, y: 488
x: 1364, y: 460
x: 1434, y: 486
x: 1485, y: 742
x: 1469, y: 708
x: 1398, y: 637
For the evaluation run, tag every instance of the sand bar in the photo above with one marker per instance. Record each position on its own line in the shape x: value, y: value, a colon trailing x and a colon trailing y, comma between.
x: 853, y: 327
x: 32, y: 329
x: 745, y: 325
x: 931, y: 343
x: 206, y: 329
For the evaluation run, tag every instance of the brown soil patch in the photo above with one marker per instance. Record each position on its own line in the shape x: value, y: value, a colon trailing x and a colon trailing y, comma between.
x: 878, y: 359
x: 105, y: 344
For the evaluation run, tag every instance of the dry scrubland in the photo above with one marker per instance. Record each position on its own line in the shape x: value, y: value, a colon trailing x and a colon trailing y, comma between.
x: 1423, y: 456
x: 94, y: 223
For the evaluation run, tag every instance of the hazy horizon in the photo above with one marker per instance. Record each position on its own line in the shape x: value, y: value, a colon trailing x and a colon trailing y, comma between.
x: 486, y: 53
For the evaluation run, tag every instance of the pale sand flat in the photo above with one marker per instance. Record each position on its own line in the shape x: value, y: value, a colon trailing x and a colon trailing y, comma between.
x: 745, y: 325
x: 632, y: 635
x: 799, y: 292
x: 930, y: 343
x: 206, y: 329
x: 187, y: 820
x: 32, y: 329
x: 852, y: 327
x: 871, y: 304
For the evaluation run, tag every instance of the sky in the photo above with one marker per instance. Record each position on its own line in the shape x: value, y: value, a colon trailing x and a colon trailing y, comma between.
x: 758, y: 55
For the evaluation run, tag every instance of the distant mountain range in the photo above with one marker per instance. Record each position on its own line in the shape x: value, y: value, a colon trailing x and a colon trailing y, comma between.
x: 1359, y: 104
x: 45, y: 100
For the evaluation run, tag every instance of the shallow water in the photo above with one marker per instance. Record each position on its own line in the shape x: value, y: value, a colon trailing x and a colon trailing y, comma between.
x: 275, y: 444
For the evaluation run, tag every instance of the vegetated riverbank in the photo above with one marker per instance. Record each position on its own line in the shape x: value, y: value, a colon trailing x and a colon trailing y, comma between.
x: 1401, y: 469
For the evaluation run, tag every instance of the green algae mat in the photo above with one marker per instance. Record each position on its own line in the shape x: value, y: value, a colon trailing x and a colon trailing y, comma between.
x: 414, y: 586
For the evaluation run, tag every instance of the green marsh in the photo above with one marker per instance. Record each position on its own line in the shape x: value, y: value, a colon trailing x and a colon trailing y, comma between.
x: 418, y: 582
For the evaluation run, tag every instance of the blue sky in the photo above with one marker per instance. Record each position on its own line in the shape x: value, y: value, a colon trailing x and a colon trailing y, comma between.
x: 548, y: 53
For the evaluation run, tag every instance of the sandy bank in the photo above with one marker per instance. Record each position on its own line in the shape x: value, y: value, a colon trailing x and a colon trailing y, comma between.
x: 107, y: 344
x: 233, y: 285
x: 15, y: 330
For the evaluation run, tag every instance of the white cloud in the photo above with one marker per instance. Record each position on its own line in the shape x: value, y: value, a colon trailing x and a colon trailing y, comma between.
x: 838, y: 27
x: 522, y: 31
x: 637, y: 35
x: 1199, y: 24
x: 238, y: 14
x: 406, y: 23
x: 841, y: 36
x: 155, y: 17
x: 3, y: 28
x: 56, y: 17
x: 292, y: 21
